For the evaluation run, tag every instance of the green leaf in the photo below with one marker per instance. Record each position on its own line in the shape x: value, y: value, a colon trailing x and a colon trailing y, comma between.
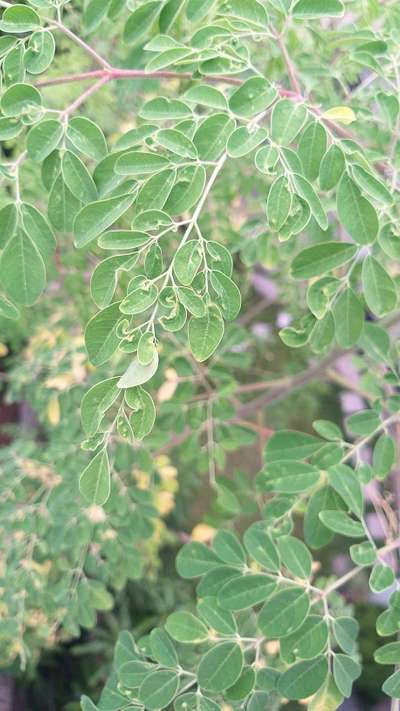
x: 327, y: 429
x: 220, y: 667
x: 187, y: 190
x: 43, y: 139
x: 174, y: 55
x: 218, y: 619
x: 36, y: 226
x: 244, y: 685
x: 87, y: 704
x: 123, y: 239
x: 228, y: 294
x: 187, y: 261
x: 162, y: 108
x: 384, y: 456
x: 138, y: 163
x: 308, y: 642
x: 94, y: 482
x: 294, y: 338
x: 312, y: 147
x: 205, y: 333
x: 288, y: 444
x: 144, y: 412
x: 363, y: 422
x: 345, y: 671
x: 310, y: 9
x: 214, y: 579
x: 261, y: 547
x: 77, y: 178
x: 288, y: 118
x: 381, y: 578
x: 252, y: 97
x: 321, y: 258
x: 388, y: 654
x: 389, y: 241
x: 343, y: 479
x: 327, y: 698
x: 307, y: 192
x: 19, y: 19
x: 340, y: 522
x: 195, y: 700
x: 9, y: 128
x: 185, y: 627
x: 376, y: 342
x: 176, y: 142
x: 251, y: 12
x: 138, y: 374
x: 94, y: 14
x: 105, y: 276
x: 191, y: 301
x: 87, y: 137
x: 258, y: 701
x: 63, y: 206
x: 158, y: 689
x: 243, y: 140
x: 356, y: 214
x: 135, y: 136
x: 100, y: 335
x: 346, y: 631
x: 23, y: 274
x: 279, y: 203
x: 316, y: 534
x: 140, y: 21
x: 228, y: 548
x: 374, y: 188
x: 246, y: 591
x: 40, y: 52
x: 348, y: 314
x: 206, y: 96
x: 20, y: 99
x: 379, y: 288
x: 391, y: 686
x: 363, y: 553
x: 295, y: 556
x: 95, y: 404
x: 8, y: 309
x: 162, y: 648
x: 288, y: 477
x: 304, y: 678
x: 284, y: 613
x: 196, y: 559
x: 331, y: 167
x: 97, y: 216
x: 139, y: 299
x: 212, y: 136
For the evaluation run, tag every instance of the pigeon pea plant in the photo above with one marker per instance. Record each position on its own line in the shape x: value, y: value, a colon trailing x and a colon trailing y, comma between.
x: 259, y: 93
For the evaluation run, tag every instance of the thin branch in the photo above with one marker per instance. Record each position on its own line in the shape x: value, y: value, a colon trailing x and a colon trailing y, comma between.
x: 289, y: 64
x: 314, y: 372
x: 83, y: 97
x: 120, y: 73
x: 80, y: 42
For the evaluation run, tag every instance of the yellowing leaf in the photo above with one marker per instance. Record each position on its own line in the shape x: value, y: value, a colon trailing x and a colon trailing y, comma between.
x: 53, y: 411
x: 341, y: 114
x: 203, y: 533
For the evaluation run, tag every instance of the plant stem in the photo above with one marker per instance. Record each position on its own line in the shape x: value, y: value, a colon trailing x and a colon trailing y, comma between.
x: 80, y: 42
